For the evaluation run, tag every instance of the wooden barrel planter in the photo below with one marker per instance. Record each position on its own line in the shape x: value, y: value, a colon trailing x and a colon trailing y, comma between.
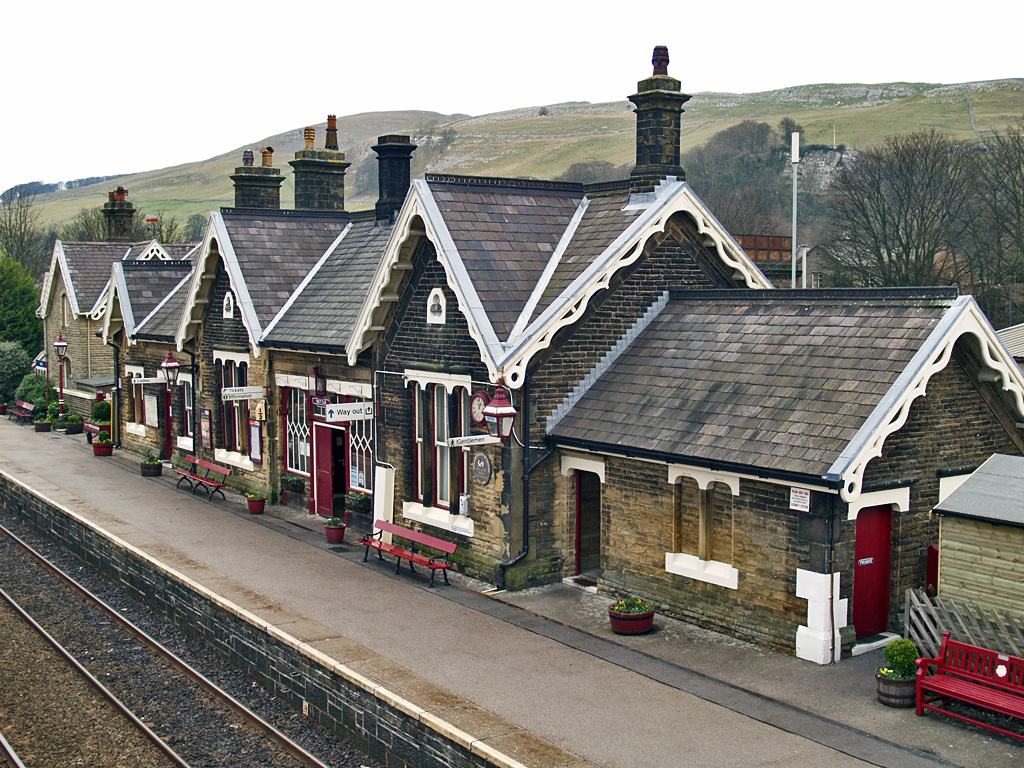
x: 631, y: 623
x: 43, y: 426
x: 897, y: 693
x: 102, y: 449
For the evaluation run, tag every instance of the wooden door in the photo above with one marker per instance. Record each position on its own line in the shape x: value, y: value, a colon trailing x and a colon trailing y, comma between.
x: 588, y: 521
x: 871, y: 571
x: 323, y: 469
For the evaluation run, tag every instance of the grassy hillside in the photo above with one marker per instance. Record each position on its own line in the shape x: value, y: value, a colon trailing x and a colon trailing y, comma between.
x: 521, y: 142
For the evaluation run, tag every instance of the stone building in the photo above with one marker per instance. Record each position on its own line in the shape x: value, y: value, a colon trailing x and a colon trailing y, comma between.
x: 74, y: 297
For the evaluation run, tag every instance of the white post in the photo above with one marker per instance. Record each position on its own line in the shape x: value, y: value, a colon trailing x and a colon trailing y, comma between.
x: 796, y: 160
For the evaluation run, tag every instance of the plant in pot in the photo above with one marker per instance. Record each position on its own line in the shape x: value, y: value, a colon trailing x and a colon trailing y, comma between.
x: 334, y: 528
x: 257, y: 502
x: 102, y: 446
x: 3, y: 409
x: 100, y: 419
x: 47, y: 418
x: 358, y: 502
x: 896, y: 686
x: 150, y: 466
x: 73, y: 424
x: 631, y: 616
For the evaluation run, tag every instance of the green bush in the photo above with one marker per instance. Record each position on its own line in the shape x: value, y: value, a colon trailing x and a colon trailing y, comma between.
x: 14, y: 362
x: 33, y: 390
x: 901, y: 657
x: 102, y: 438
x: 101, y: 411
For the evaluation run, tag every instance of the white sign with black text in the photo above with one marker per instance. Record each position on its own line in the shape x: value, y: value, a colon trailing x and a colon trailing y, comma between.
x: 462, y: 442
x: 348, y: 412
x: 231, y: 394
x: 800, y: 499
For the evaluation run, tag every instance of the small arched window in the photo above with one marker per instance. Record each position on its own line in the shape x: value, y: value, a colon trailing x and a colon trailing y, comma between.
x: 229, y: 304
x: 436, y: 307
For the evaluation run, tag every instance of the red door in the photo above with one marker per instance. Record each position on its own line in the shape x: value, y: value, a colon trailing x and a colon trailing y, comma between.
x: 323, y: 458
x: 871, y: 571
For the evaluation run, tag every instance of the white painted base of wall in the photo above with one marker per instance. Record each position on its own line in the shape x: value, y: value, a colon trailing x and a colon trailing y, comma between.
x: 438, y: 518
x: 812, y: 641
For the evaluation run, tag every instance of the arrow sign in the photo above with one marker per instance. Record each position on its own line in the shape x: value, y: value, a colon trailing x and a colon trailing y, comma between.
x: 229, y: 394
x: 459, y: 442
x: 349, y: 412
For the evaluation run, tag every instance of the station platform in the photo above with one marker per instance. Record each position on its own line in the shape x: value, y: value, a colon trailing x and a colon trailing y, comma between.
x: 534, y: 677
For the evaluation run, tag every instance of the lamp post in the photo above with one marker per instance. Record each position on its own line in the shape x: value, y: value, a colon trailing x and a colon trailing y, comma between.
x: 499, y: 414
x: 171, y: 369
x: 61, y: 347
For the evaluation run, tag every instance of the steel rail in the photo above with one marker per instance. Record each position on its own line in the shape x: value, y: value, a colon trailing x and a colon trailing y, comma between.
x: 102, y: 689
x: 10, y: 757
x: 251, y: 718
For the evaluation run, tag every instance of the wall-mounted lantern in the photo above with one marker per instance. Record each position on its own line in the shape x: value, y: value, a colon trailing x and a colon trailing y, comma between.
x: 499, y: 414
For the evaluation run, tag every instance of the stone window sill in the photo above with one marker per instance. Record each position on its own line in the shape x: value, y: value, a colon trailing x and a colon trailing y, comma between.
x: 708, y: 571
x: 437, y: 518
x: 139, y: 430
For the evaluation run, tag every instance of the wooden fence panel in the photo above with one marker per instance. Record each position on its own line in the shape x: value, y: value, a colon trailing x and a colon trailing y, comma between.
x: 927, y: 618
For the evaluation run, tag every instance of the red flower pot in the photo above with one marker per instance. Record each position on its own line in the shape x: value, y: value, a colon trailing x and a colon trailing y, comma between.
x: 256, y: 506
x: 335, y: 533
x: 631, y: 623
x: 102, y: 449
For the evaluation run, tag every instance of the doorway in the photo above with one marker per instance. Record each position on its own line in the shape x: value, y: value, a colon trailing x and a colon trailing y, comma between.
x: 330, y: 450
x: 871, y: 575
x: 588, y: 521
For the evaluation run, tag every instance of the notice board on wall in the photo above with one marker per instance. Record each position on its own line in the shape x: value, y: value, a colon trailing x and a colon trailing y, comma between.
x: 206, y: 427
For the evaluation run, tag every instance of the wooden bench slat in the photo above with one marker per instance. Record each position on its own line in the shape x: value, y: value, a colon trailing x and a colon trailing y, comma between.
x: 977, y: 676
x: 197, y: 481
x: 435, y: 564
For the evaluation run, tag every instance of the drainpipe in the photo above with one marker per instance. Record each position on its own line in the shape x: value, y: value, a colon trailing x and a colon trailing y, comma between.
x: 527, y: 470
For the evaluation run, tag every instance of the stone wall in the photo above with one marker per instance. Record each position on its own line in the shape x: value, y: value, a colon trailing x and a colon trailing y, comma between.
x: 284, y: 666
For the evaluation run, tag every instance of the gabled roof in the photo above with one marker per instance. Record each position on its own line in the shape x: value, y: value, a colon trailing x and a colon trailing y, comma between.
x: 524, y: 258
x: 994, y: 493
x: 138, y: 287
x: 266, y: 254
x: 1013, y: 339
x: 321, y: 312
x: 784, y: 383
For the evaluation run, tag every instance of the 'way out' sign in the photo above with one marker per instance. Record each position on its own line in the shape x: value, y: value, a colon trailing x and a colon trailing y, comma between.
x: 348, y: 411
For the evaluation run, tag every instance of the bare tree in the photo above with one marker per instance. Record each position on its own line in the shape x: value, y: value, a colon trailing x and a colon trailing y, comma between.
x: 902, y: 213
x: 22, y: 235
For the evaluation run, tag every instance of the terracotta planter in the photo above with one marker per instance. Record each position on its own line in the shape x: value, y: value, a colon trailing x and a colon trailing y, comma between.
x: 102, y: 449
x: 335, y: 533
x: 151, y: 470
x: 256, y: 506
x: 896, y: 693
x: 43, y: 426
x: 631, y: 623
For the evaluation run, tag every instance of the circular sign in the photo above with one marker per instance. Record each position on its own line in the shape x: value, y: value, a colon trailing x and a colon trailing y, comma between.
x: 481, y: 468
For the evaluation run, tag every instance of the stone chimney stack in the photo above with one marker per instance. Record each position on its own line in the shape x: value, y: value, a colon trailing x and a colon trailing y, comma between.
x: 257, y: 186
x: 320, y: 173
x: 394, y: 174
x: 119, y: 213
x: 659, y: 106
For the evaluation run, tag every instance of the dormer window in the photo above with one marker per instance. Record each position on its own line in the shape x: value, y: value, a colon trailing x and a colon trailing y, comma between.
x: 436, y: 307
x: 229, y: 304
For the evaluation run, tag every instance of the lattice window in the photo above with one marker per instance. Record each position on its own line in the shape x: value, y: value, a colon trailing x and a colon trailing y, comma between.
x: 297, y: 431
x: 360, y: 455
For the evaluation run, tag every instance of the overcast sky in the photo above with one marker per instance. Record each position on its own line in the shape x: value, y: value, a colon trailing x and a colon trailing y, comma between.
x: 97, y: 88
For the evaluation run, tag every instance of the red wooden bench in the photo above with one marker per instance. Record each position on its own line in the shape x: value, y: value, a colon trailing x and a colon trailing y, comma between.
x: 205, y: 481
x: 977, y: 676
x: 22, y: 411
x: 376, y: 541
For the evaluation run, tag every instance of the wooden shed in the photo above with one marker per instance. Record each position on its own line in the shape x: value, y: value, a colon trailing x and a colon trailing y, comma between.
x: 981, y: 537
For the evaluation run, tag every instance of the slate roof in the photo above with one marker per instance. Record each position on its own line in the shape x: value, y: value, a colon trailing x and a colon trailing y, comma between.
x: 323, y: 311
x: 276, y: 249
x: 149, y: 282
x: 777, y: 380
x: 162, y: 322
x: 89, y: 269
x: 994, y: 493
x: 1013, y: 339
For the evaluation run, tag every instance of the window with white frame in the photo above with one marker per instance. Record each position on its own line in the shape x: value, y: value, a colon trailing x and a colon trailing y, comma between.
x: 188, y: 423
x: 440, y: 472
x: 137, y: 399
x: 360, y: 455
x: 234, y: 413
x: 297, y: 431
x: 702, y: 547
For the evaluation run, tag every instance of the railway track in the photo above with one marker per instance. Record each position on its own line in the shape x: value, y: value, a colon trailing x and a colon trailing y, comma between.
x: 217, y: 728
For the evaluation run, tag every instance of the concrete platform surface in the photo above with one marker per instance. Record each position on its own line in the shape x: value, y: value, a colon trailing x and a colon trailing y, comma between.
x: 536, y: 676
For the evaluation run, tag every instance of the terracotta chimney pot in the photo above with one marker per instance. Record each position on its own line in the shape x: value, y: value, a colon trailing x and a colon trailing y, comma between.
x: 268, y: 157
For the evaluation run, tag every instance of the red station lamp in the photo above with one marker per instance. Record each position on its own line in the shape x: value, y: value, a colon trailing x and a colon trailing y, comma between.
x: 61, y: 348
x: 499, y: 414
